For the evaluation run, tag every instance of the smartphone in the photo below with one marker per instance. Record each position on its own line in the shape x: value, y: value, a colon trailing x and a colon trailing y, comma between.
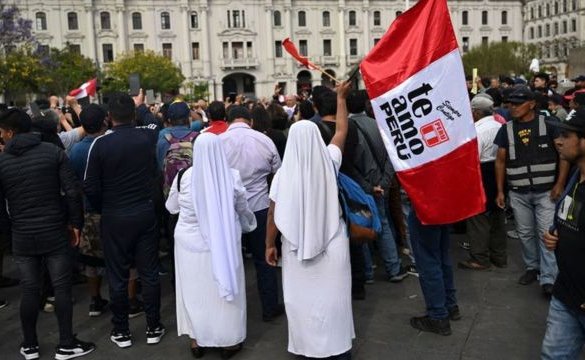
x: 149, y: 96
x: 134, y: 82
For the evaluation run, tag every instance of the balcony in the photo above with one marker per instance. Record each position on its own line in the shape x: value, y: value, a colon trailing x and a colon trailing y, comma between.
x: 243, y: 63
x: 352, y: 59
x: 329, y: 60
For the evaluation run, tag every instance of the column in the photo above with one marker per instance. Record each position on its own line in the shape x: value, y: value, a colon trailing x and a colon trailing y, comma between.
x: 122, y: 31
x: 205, y: 49
x: 269, y: 49
x: 91, y: 34
x: 342, y: 41
x: 367, y: 38
x: 184, y: 44
x: 291, y: 85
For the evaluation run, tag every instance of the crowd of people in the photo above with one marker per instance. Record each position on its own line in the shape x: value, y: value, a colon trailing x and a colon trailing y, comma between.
x: 100, y: 188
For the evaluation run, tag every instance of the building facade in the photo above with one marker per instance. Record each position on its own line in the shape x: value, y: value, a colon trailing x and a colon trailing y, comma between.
x: 556, y: 27
x: 236, y: 46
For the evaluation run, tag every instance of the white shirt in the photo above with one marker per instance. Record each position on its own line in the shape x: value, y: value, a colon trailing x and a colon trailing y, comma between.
x: 487, y: 129
x: 255, y: 156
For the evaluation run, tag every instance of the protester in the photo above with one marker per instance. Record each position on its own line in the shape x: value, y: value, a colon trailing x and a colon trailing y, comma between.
x: 555, y: 106
x: 118, y: 183
x: 218, y: 122
x: 527, y: 159
x: 177, y: 132
x: 565, y: 330
x: 254, y: 155
x: 32, y: 176
x: 315, y: 254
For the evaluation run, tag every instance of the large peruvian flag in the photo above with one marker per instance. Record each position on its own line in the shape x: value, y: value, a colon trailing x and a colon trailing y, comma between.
x: 86, y: 89
x: 414, y: 76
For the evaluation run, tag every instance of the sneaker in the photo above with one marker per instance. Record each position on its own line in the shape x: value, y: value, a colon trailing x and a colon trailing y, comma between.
x: 471, y: 264
x: 49, y: 306
x: 437, y: 326
x: 402, y: 273
x: 121, y: 338
x: 3, y: 303
x: 153, y: 336
x: 454, y: 313
x: 136, y: 308
x: 512, y: 234
x: 529, y: 277
x: 369, y: 281
x: 30, y: 352
x: 97, y: 307
x: 162, y: 270
x: 411, y: 270
x: 79, y: 348
x: 464, y: 245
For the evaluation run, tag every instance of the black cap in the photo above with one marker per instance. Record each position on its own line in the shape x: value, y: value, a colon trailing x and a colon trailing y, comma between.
x: 521, y: 95
x: 92, y: 118
x: 575, y: 122
x: 237, y: 111
x: 178, y: 110
x: 579, y: 78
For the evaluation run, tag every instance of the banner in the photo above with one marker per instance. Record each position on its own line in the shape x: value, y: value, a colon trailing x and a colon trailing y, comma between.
x: 415, y: 80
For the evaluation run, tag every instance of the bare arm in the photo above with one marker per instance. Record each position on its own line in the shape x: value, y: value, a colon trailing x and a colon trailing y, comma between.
x: 501, y: 176
x: 271, y: 232
x: 341, y: 123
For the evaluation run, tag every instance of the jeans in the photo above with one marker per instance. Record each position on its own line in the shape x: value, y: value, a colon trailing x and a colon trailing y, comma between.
x: 128, y: 241
x: 487, y: 237
x: 430, y: 244
x: 565, y: 333
x: 58, y: 264
x: 386, y: 246
x: 266, y: 276
x: 534, y: 214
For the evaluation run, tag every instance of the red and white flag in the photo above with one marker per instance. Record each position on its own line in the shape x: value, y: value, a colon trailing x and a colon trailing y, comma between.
x: 415, y: 79
x: 290, y: 48
x: 86, y: 89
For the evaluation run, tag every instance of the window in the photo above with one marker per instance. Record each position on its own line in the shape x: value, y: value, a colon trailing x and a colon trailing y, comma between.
x: 547, y: 30
x: 302, y: 18
x: 167, y: 50
x: 303, y: 47
x: 504, y: 17
x: 276, y: 18
x: 237, y: 19
x: 556, y: 8
x: 237, y: 50
x: 573, y: 25
x: 108, y: 52
x: 465, y: 44
x: 531, y: 33
x: 327, y: 47
x: 165, y: 21
x: 574, y: 4
x: 352, y: 18
x: 72, y: 21
x: 353, y: 47
x: 377, y: 18
x: 547, y: 10
x: 484, y: 17
x: 278, y: 49
x: 249, y: 50
x: 539, y: 32
x: 539, y: 11
x: 326, y: 18
x: 194, y: 20
x: 376, y: 40
x: 43, y: 50
x: 138, y: 48
x: 41, y: 21
x: 398, y: 13
x: 75, y: 48
x: 105, y: 20
x: 564, y: 6
x: 136, y: 21
x: 485, y: 40
x: 565, y: 26
x: 504, y: 39
x: 556, y: 31
x: 195, y: 51
x: 531, y: 13
x: 464, y: 17
x: 226, y: 50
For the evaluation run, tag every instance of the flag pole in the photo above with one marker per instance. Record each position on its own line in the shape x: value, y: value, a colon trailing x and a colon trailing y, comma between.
x: 318, y: 68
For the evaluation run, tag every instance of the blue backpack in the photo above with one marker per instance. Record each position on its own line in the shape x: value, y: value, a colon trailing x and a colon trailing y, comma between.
x: 359, y: 210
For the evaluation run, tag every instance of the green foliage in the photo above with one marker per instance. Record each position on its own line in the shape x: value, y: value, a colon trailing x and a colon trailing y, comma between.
x: 67, y: 70
x: 500, y: 58
x: 21, y: 72
x: 196, y: 91
x: 156, y: 72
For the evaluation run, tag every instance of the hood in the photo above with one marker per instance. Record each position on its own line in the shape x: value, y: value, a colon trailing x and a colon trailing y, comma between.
x: 22, y: 143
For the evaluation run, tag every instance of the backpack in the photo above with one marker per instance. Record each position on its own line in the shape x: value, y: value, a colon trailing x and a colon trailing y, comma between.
x: 179, y: 156
x: 359, y: 210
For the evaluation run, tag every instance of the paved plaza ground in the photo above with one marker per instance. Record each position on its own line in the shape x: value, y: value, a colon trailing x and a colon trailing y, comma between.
x: 501, y: 320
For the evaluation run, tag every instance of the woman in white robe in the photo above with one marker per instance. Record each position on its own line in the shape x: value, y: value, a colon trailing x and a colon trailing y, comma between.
x: 316, y: 273
x: 210, y: 286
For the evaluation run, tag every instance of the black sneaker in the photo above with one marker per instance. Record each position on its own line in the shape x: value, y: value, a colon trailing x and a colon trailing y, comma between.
x: 402, y: 273
x: 411, y: 270
x: 121, y: 338
x: 79, y: 348
x: 529, y: 277
x: 3, y: 303
x: 454, y: 313
x: 136, y: 308
x: 30, y: 352
x: 97, y: 306
x: 153, y: 336
x: 437, y: 326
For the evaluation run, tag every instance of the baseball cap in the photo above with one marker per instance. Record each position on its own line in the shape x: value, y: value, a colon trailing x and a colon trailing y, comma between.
x: 575, y: 123
x: 574, y: 94
x: 238, y: 111
x: 579, y: 78
x: 483, y: 103
x: 92, y: 118
x: 521, y: 95
x: 178, y: 110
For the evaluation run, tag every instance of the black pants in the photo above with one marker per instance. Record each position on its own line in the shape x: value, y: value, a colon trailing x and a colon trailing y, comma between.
x: 266, y: 276
x: 132, y: 240
x: 487, y: 237
x: 358, y: 268
x: 58, y: 264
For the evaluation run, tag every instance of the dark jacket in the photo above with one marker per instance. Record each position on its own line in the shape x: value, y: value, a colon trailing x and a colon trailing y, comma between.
x: 41, y: 192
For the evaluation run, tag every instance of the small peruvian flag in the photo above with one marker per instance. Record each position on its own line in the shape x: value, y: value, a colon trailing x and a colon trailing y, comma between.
x: 86, y: 89
x: 290, y: 48
x: 414, y: 77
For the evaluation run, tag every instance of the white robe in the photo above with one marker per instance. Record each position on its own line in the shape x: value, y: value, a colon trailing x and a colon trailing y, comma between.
x: 201, y: 312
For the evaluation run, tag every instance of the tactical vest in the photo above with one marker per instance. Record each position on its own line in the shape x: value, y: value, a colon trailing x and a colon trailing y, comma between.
x: 532, y: 167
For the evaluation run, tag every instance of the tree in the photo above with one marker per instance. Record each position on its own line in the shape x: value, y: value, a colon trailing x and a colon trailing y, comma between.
x: 13, y: 28
x: 156, y: 72
x: 21, y: 73
x: 196, y: 91
x: 67, y: 70
x: 500, y: 58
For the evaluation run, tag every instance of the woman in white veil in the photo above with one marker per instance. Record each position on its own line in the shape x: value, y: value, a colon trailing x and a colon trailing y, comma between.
x: 316, y: 273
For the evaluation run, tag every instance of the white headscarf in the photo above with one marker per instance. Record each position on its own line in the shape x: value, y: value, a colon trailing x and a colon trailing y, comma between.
x: 212, y: 188
x: 307, y: 209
